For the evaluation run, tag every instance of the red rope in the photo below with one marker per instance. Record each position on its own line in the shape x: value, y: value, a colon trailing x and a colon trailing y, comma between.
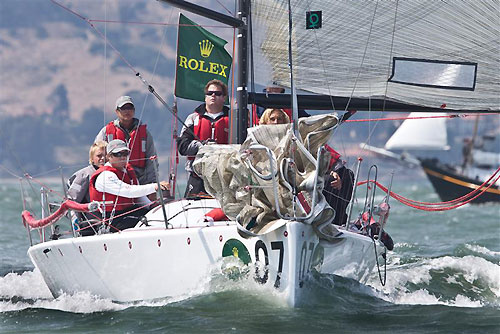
x: 442, y: 206
x: 29, y: 220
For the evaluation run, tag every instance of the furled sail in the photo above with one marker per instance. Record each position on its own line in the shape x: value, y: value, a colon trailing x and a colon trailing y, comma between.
x: 427, y: 53
x: 241, y: 176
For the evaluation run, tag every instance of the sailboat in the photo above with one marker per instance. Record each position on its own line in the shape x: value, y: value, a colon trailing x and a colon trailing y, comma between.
x: 279, y: 228
x: 450, y: 181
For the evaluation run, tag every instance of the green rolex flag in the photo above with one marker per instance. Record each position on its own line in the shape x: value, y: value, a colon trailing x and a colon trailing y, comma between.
x: 201, y: 57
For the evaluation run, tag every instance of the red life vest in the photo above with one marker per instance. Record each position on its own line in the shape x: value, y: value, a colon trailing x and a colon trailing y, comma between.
x: 207, y: 128
x: 138, y: 138
x: 122, y: 203
x: 289, y: 113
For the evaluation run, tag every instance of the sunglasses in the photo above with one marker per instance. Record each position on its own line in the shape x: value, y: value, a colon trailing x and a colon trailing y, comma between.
x: 126, y: 108
x: 120, y: 154
x: 216, y: 92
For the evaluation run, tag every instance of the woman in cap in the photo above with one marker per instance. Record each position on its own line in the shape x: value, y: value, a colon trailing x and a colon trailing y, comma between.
x: 117, y: 186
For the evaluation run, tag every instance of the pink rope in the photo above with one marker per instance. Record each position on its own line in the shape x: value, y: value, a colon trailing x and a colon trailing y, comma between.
x: 32, y: 222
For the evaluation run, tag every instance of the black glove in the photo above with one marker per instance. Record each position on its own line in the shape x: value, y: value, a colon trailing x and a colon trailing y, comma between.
x: 208, y: 141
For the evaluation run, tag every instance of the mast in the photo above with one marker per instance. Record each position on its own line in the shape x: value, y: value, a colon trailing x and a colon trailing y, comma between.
x: 240, y: 121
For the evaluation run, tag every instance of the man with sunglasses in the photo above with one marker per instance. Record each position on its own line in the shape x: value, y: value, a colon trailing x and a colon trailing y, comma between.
x: 117, y: 186
x: 209, y: 123
x: 128, y: 128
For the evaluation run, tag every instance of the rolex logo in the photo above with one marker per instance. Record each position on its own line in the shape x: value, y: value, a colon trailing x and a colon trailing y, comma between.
x: 206, y: 48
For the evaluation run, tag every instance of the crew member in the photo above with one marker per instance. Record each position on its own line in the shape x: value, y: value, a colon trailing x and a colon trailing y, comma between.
x: 128, y: 128
x: 117, y: 186
x: 78, y: 187
x: 209, y: 123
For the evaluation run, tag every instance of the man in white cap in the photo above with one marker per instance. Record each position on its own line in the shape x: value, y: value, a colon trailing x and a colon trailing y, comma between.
x: 117, y: 186
x: 128, y: 128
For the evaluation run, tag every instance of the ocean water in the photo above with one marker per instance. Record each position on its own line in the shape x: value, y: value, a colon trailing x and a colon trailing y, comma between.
x: 442, y: 277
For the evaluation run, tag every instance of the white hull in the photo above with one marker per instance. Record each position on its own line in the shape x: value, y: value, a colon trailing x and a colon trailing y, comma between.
x: 153, y: 262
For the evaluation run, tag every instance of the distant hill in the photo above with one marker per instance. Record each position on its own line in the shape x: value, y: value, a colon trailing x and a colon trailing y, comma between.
x: 59, y: 79
x: 54, y: 63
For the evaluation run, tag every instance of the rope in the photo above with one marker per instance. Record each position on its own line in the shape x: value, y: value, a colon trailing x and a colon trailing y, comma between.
x: 419, y: 117
x: 227, y: 9
x: 151, y: 23
x: 174, y: 154
x: 382, y: 281
x: 106, y: 221
x: 33, y: 223
x: 441, y: 206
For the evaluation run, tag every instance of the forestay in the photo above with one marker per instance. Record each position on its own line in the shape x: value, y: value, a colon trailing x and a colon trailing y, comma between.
x: 242, y: 177
x: 427, y: 53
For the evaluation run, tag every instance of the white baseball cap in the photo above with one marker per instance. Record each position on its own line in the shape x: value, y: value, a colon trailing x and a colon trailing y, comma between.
x: 123, y: 100
x: 116, y: 146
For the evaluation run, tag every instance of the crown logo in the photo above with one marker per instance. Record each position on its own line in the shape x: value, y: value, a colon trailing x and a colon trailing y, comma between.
x: 235, y: 252
x: 206, y: 48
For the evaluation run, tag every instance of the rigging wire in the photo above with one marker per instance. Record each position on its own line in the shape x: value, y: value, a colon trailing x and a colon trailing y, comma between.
x: 159, y: 23
x: 105, y: 38
x: 105, y: 63
x: 414, y: 117
x: 106, y: 42
x: 25, y: 173
x: 323, y: 64
x: 372, y: 130
x: 227, y: 9
x: 153, y: 161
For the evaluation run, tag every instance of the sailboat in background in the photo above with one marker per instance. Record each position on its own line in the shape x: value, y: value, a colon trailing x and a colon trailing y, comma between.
x: 362, y: 55
x: 450, y: 180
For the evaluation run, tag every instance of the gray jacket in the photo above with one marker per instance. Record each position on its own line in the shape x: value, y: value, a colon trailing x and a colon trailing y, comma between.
x: 78, y: 184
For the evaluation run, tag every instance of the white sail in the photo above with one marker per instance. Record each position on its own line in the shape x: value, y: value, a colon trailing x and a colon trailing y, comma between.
x: 427, y: 53
x: 420, y: 134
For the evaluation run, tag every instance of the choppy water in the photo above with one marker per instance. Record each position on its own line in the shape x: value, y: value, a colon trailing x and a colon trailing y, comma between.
x: 443, y: 277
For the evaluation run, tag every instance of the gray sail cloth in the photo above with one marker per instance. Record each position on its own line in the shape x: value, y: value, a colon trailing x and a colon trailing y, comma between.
x: 239, y: 176
x: 353, y: 53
